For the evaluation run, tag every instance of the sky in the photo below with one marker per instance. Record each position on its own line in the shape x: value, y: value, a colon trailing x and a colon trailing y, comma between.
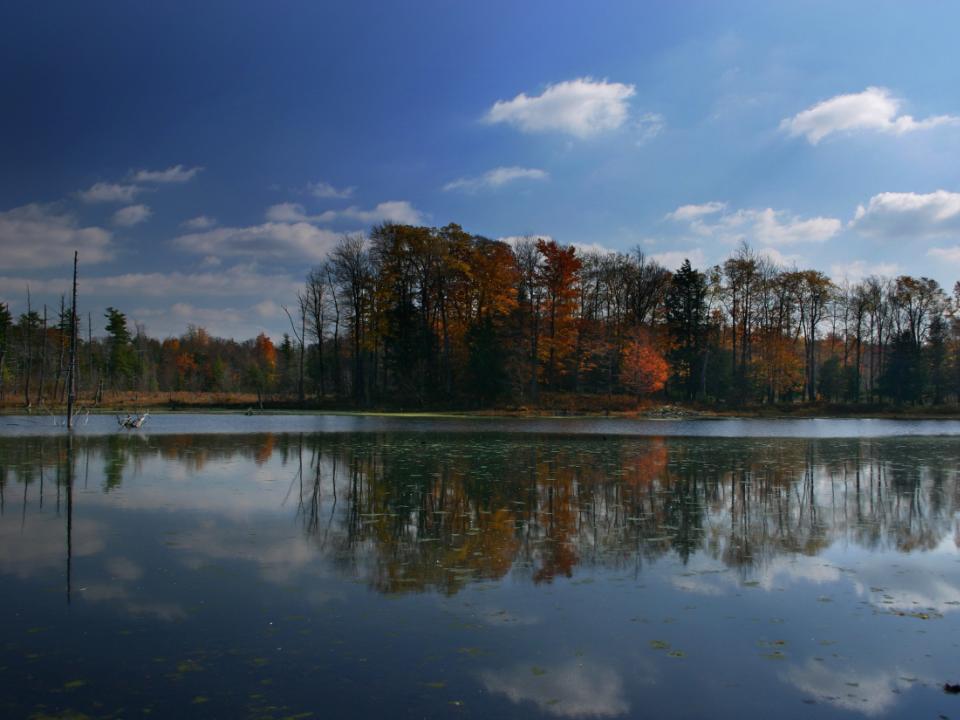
x: 203, y: 157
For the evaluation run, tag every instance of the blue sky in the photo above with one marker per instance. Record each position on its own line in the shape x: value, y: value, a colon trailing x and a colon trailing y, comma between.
x: 203, y: 156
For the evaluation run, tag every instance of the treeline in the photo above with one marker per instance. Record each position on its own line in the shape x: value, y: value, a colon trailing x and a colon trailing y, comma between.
x: 428, y: 317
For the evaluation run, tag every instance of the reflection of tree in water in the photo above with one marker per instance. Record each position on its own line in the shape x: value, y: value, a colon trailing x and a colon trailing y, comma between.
x: 417, y: 516
x: 412, y: 512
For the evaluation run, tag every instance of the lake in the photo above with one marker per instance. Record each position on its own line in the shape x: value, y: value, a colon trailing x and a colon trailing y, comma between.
x: 301, y: 566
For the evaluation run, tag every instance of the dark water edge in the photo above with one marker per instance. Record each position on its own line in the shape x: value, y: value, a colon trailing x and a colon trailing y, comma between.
x: 455, y: 573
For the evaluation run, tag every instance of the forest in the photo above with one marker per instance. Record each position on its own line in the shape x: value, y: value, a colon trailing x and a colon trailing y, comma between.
x: 419, y: 317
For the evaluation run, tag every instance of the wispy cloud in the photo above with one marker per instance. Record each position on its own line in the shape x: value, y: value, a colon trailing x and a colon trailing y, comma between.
x: 325, y: 190
x: 243, y: 280
x: 174, y: 174
x: 764, y: 227
x: 648, y: 126
x: 873, y: 109
x: 858, y: 270
x: 300, y: 240
x: 131, y: 215
x: 395, y: 211
x: 581, y: 107
x: 201, y: 222
x: 104, y: 192
x: 687, y: 213
x: 495, y: 178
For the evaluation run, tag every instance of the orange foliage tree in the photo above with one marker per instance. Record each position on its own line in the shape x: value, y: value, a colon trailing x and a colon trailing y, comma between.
x: 643, y: 369
x: 559, y: 276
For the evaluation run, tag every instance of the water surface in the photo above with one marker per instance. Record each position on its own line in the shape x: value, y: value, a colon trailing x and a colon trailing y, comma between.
x: 440, y: 571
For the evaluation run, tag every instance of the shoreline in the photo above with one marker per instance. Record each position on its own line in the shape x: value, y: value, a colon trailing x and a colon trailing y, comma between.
x: 651, y: 412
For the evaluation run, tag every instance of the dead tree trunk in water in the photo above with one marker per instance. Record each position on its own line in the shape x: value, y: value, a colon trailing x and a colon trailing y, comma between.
x: 71, y: 371
x: 43, y: 357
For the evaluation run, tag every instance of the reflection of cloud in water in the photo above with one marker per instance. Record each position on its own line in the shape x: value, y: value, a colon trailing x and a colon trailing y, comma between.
x: 282, y: 557
x: 42, y: 545
x: 921, y: 584
x: 870, y: 693
x: 124, y: 568
x: 117, y: 593
x: 571, y: 689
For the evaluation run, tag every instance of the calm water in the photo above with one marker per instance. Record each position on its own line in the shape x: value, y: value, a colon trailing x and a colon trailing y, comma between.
x: 451, y: 569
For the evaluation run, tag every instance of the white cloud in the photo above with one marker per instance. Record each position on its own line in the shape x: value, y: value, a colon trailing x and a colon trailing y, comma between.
x: 38, y: 236
x: 909, y: 215
x: 272, y: 239
x: 648, y: 126
x: 598, y: 248
x: 131, y: 215
x: 512, y: 240
x: 673, y: 259
x: 581, y: 107
x: 496, y: 178
x: 103, y: 192
x: 857, y: 270
x: 395, y: 211
x: 766, y: 227
x: 174, y: 174
x: 687, y: 213
x: 201, y: 222
x: 326, y: 190
x: 873, y: 109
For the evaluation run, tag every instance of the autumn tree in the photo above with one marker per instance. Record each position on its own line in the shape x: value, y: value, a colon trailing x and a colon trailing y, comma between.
x: 643, y: 369
x: 261, y: 372
x: 558, y: 275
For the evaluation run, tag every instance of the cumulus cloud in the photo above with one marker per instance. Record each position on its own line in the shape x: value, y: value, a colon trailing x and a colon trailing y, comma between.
x: 873, y: 109
x: 765, y: 227
x: 103, y: 192
x: 495, y: 178
x: 326, y: 190
x: 201, y: 222
x: 39, y: 236
x: 395, y: 211
x: 581, y: 107
x: 174, y: 174
x: 909, y: 215
x: 279, y: 240
x: 131, y: 215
